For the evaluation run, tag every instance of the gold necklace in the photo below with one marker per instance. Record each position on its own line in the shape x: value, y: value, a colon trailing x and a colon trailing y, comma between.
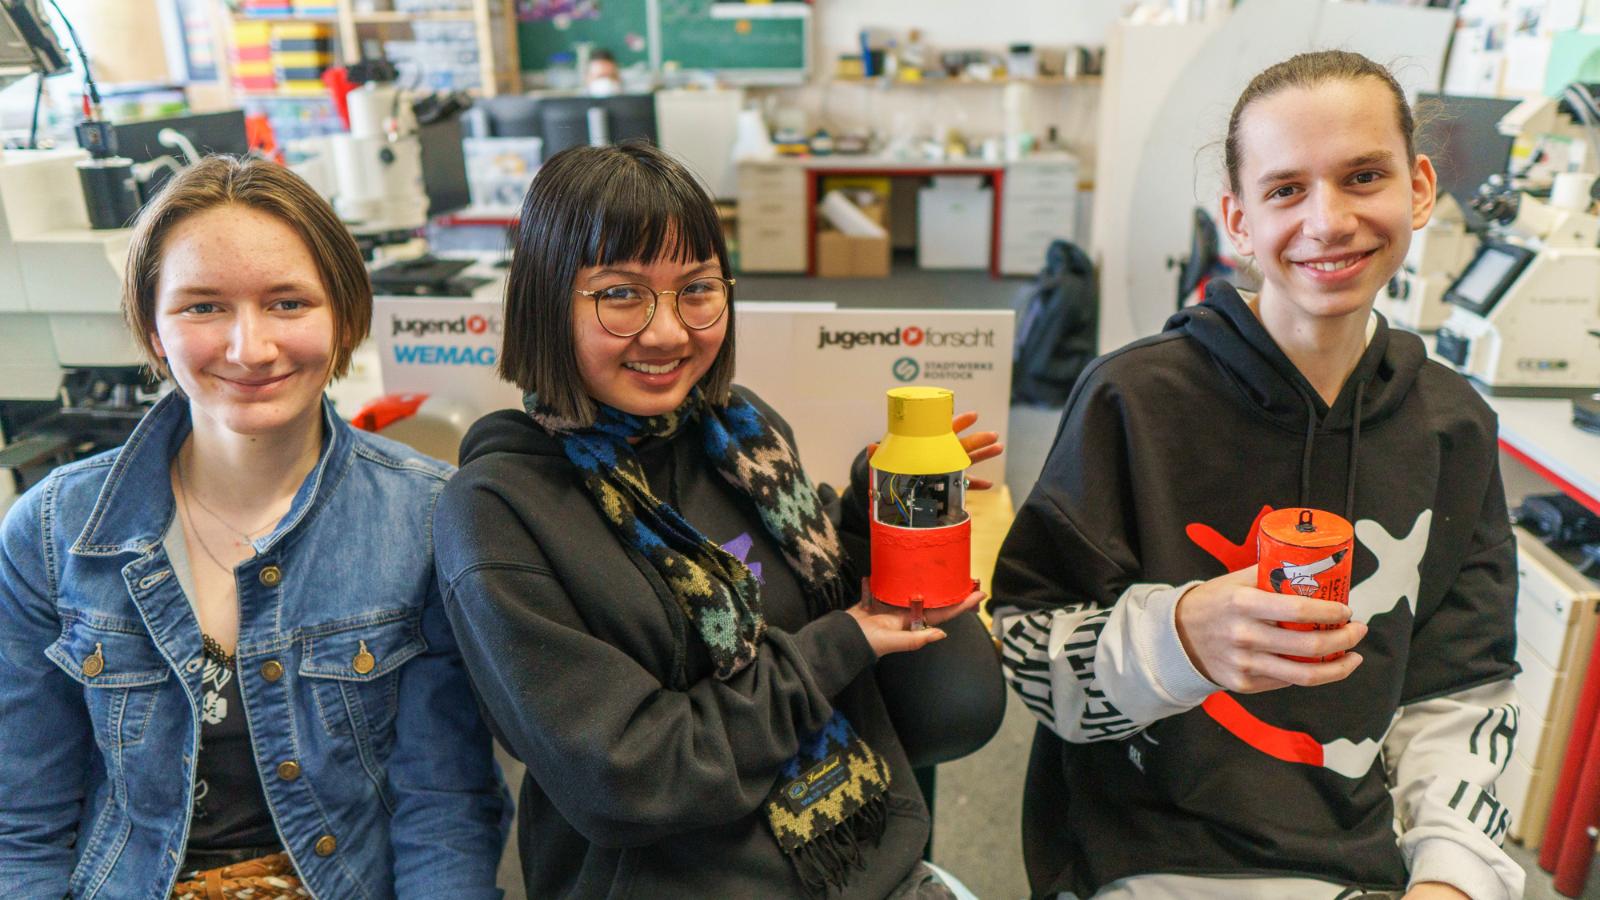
x: 188, y: 524
x: 246, y: 538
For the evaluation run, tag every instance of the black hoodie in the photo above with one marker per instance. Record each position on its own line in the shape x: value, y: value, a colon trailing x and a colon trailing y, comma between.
x: 645, y: 773
x: 1169, y: 452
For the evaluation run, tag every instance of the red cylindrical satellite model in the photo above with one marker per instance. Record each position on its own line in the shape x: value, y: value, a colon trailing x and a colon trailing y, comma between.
x: 1307, y: 553
x: 921, y: 534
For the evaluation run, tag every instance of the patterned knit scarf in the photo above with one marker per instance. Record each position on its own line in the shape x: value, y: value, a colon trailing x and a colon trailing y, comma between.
x: 830, y: 798
x: 716, y: 591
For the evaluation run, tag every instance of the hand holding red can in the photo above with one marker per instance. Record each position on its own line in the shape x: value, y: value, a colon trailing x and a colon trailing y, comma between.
x: 1306, y: 553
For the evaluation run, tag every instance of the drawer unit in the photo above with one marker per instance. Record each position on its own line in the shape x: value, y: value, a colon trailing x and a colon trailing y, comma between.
x: 1053, y: 215
x: 765, y: 178
x: 767, y: 247
x: 1040, y: 206
x: 1556, y: 619
x: 772, y: 218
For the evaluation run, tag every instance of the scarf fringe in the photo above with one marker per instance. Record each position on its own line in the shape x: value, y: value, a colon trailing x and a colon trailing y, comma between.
x: 824, y: 863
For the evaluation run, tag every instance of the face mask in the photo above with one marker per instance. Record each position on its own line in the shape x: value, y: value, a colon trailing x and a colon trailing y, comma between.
x: 605, y: 87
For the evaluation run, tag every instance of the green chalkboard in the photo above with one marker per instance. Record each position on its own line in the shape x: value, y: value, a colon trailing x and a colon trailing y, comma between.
x: 690, y: 38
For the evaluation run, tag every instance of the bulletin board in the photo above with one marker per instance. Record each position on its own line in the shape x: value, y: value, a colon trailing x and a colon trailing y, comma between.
x: 691, y: 39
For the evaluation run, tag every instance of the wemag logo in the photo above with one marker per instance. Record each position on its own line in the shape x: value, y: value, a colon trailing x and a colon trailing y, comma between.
x: 910, y: 336
x: 422, y: 354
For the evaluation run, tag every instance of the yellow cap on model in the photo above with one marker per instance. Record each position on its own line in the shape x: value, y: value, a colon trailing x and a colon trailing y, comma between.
x: 920, y: 440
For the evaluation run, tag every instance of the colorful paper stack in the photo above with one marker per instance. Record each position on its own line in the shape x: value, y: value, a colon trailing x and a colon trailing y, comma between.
x: 266, y: 9
x: 252, y: 57
x: 300, y: 53
x: 312, y: 8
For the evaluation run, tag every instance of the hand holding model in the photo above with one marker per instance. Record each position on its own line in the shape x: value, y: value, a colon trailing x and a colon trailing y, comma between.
x: 980, y: 445
x: 888, y: 628
x: 897, y: 629
x: 1229, y: 628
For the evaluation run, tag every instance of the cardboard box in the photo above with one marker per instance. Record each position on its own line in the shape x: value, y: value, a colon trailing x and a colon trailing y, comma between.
x: 841, y: 256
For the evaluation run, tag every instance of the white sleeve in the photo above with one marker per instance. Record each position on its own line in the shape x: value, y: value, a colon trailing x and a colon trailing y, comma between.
x: 1442, y: 757
x: 1093, y: 673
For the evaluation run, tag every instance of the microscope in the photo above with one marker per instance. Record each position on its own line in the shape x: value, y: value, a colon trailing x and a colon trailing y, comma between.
x: 1525, y: 311
x: 69, y: 377
x: 1414, y: 297
x: 372, y: 173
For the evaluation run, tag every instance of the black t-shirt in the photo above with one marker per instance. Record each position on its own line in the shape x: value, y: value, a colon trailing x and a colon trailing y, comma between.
x: 231, y: 821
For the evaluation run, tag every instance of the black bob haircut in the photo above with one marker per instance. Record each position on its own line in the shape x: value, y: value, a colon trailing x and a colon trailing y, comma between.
x: 599, y: 206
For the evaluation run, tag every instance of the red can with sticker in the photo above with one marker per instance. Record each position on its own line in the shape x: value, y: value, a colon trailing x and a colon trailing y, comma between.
x: 1306, y: 553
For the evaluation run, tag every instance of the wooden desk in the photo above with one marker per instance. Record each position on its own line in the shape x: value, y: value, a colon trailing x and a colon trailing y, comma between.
x: 1034, y: 200
x: 991, y: 513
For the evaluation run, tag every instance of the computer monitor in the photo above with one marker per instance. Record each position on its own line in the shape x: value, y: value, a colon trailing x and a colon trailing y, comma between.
x: 1462, y: 139
x: 211, y: 133
x: 566, y: 122
x: 219, y: 132
x: 444, y: 166
x: 508, y: 116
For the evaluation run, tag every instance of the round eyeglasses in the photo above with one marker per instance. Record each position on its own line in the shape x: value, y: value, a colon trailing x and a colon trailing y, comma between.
x: 625, y: 310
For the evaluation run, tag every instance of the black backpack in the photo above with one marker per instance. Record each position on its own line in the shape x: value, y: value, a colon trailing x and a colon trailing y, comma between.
x: 1057, y: 318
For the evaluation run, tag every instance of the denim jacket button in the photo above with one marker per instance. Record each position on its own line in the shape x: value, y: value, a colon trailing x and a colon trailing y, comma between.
x: 94, y: 663
x: 288, y: 770
x: 270, y: 576
x: 363, y: 662
x: 326, y: 845
x: 272, y: 670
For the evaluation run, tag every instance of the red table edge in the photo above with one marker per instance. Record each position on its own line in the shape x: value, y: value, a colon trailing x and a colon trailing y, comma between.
x: 453, y: 220
x: 1567, y: 487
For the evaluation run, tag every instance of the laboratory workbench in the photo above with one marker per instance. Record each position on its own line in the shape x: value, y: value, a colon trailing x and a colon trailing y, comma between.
x: 1539, y: 433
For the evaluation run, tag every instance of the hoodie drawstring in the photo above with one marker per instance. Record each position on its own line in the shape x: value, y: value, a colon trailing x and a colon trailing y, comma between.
x: 1355, y: 441
x: 1305, y: 454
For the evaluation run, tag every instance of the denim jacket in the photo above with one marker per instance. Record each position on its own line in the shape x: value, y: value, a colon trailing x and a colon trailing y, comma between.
x: 392, y: 789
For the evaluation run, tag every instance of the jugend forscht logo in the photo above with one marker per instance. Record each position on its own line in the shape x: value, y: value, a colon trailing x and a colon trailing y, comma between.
x: 910, y: 336
x: 447, y: 354
x: 908, y: 368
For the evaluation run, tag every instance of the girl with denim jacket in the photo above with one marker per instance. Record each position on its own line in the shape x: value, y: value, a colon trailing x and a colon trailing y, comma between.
x: 224, y: 663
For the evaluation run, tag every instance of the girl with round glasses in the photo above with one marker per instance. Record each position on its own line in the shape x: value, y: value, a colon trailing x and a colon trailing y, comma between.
x: 654, y: 603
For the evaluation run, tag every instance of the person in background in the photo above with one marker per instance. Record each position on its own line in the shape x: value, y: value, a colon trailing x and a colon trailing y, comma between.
x: 225, y: 670
x: 1180, y: 753
x: 656, y: 608
x: 602, y: 78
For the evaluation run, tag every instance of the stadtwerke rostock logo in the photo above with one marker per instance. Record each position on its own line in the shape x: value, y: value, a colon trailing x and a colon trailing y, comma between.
x: 906, y: 369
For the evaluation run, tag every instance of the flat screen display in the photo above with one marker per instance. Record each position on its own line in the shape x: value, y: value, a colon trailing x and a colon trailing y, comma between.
x: 1492, y: 273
